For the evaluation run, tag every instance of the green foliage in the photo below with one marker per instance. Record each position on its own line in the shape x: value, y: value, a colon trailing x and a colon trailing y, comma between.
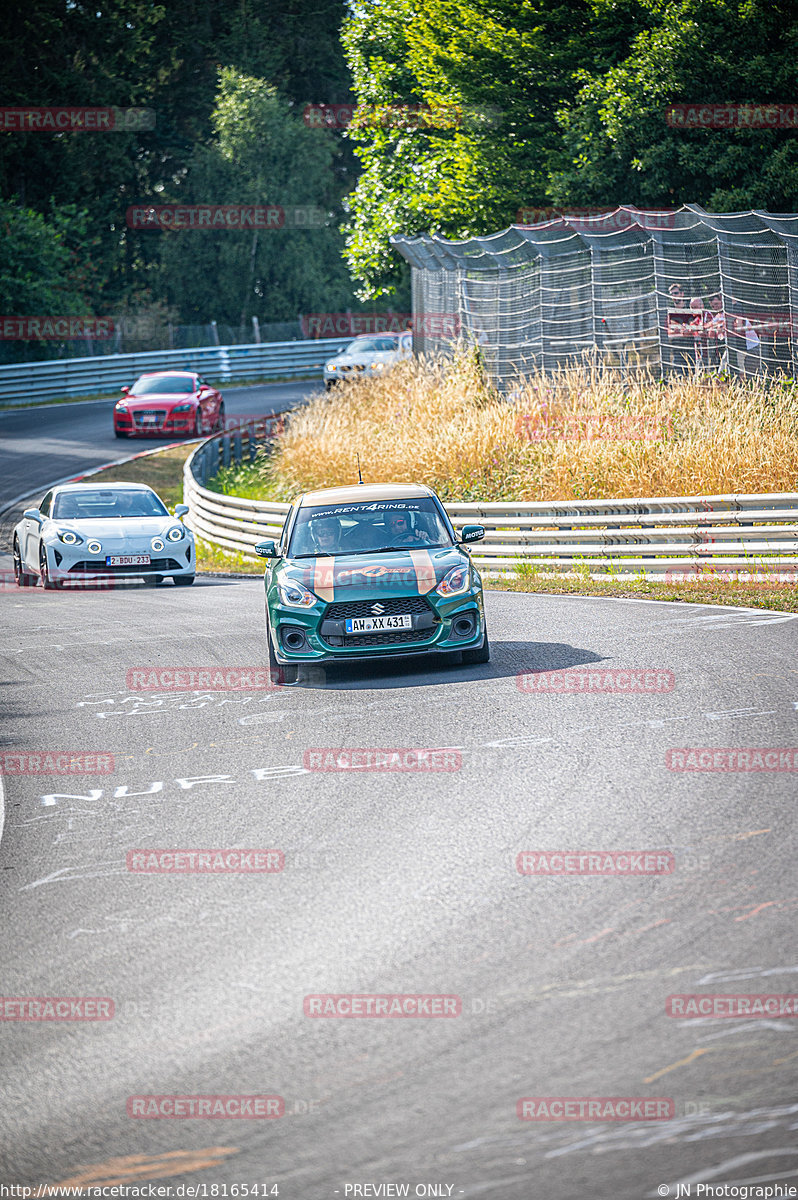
x: 261, y: 153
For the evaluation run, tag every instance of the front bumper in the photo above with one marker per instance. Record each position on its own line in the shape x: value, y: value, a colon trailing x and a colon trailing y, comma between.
x: 324, y: 641
x: 75, y: 563
x: 181, y: 423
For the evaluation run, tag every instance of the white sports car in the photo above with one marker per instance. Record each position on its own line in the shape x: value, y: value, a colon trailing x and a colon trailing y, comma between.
x: 368, y: 356
x: 83, y: 532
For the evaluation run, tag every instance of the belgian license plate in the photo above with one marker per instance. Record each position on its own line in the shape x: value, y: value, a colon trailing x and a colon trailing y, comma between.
x: 375, y: 624
x: 127, y: 560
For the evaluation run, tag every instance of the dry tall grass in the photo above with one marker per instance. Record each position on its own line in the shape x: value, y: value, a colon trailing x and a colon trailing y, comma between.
x: 578, y: 434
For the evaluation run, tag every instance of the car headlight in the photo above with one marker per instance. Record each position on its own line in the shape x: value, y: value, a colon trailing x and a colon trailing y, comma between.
x: 68, y: 537
x: 175, y: 534
x: 157, y: 544
x: 182, y: 408
x: 455, y: 582
x: 331, y: 367
x: 294, y: 595
x: 95, y: 547
x: 121, y: 406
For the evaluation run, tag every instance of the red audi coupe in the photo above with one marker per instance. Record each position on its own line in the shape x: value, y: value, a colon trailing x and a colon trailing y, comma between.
x: 169, y: 403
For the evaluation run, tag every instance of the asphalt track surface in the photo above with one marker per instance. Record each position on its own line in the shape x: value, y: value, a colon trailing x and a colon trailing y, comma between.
x: 398, y: 883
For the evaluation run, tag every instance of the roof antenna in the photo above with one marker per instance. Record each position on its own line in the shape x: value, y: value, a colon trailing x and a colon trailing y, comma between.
x: 359, y: 476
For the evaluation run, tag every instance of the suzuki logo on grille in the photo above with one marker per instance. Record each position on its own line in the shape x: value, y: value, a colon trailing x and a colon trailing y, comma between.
x: 377, y: 609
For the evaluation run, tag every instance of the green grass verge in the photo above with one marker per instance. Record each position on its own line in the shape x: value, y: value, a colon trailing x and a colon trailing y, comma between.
x: 770, y: 594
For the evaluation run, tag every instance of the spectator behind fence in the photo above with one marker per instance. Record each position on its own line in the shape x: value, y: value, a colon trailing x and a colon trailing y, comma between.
x: 746, y: 342
x: 678, y: 328
x: 716, y: 332
x: 699, y: 331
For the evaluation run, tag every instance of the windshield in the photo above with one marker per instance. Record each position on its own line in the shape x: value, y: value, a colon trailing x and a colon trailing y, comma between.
x: 371, y: 345
x: 83, y: 506
x: 413, y: 524
x: 164, y: 385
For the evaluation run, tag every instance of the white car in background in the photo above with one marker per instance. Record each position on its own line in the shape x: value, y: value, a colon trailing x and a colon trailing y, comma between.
x: 367, y: 355
x: 87, y: 532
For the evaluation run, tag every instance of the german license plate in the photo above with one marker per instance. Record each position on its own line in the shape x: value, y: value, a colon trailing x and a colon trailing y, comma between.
x: 127, y: 560
x: 375, y: 624
x: 148, y: 420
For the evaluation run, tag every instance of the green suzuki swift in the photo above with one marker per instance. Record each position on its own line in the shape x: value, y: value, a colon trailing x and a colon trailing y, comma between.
x: 371, y: 571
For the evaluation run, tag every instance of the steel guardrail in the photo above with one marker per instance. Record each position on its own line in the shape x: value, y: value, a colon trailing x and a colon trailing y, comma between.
x: 755, y: 534
x: 106, y: 374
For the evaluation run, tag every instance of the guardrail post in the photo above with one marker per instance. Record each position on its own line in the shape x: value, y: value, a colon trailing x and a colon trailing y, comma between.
x: 237, y: 447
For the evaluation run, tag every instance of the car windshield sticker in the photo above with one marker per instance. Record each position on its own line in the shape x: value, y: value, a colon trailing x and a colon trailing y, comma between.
x: 342, y: 510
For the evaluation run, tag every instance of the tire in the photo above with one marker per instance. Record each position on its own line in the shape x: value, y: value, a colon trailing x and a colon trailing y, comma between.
x: 197, y: 426
x: 219, y: 426
x: 23, y: 578
x: 480, y: 655
x: 183, y: 580
x: 119, y: 432
x: 47, y: 583
x: 278, y: 672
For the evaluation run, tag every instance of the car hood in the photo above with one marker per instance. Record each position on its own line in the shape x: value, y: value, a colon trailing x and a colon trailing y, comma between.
x: 371, y: 576
x: 116, y: 527
x: 373, y: 356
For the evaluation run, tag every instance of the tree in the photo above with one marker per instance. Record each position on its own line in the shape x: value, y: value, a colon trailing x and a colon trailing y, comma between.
x: 261, y: 153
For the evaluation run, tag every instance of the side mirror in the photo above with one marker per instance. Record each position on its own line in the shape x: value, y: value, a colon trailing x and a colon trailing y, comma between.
x: 471, y: 533
x: 33, y: 514
x: 181, y: 510
x: 125, y: 390
x: 266, y: 549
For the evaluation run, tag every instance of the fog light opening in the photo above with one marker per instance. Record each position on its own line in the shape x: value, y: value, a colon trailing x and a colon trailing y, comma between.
x: 293, y: 639
x: 463, y: 627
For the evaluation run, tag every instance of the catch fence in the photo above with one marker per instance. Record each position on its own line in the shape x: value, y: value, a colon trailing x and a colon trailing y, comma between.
x: 604, y: 286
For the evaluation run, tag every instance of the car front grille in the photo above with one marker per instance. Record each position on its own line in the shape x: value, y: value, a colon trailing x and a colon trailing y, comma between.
x: 389, y: 637
x: 158, y: 413
x: 98, y: 566
x: 390, y: 606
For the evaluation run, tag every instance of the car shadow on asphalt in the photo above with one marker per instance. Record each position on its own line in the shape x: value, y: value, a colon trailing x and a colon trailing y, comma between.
x: 507, y: 659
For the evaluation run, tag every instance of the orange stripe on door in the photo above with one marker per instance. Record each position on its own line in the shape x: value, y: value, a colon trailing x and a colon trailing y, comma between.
x: 425, y: 571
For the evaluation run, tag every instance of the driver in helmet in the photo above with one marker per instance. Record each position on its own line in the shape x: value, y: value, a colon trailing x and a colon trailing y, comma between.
x: 401, y: 532
x: 326, y: 533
